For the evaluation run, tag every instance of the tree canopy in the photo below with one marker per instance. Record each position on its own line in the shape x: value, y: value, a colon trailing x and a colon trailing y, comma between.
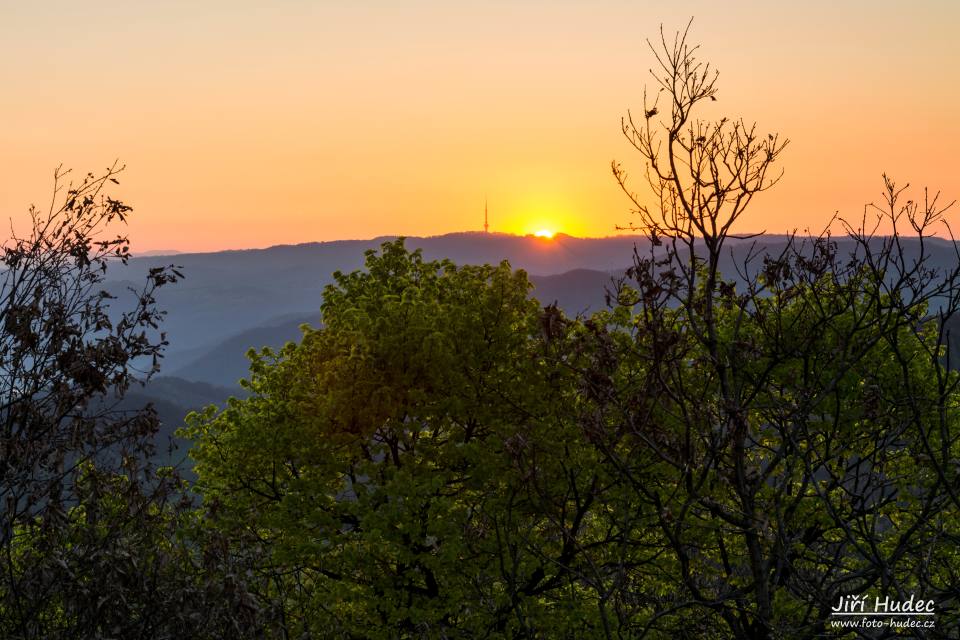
x: 402, y: 462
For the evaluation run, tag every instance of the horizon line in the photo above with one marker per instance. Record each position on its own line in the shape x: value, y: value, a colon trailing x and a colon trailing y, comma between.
x: 159, y: 253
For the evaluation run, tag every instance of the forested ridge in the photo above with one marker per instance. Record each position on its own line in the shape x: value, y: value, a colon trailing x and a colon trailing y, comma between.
x: 744, y: 435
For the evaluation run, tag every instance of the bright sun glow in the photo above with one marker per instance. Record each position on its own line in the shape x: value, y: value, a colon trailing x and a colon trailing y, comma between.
x: 544, y: 233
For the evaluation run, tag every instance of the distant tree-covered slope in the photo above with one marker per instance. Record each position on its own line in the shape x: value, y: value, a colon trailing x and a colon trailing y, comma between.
x: 225, y: 363
x: 227, y: 292
x: 173, y: 398
x: 236, y: 300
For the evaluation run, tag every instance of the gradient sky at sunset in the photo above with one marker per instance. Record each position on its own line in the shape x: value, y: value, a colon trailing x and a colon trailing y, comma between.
x: 249, y: 124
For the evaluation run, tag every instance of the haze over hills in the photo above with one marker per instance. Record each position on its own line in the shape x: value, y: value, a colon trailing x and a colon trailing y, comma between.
x: 232, y: 301
x: 225, y: 293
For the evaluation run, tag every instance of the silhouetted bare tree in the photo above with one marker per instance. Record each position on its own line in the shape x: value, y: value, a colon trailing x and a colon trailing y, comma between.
x: 789, y: 431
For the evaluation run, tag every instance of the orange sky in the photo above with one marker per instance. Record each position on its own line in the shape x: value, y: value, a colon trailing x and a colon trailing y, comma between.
x: 248, y: 124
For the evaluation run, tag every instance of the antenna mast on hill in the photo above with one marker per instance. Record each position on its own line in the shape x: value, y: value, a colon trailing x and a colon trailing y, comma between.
x: 486, y: 220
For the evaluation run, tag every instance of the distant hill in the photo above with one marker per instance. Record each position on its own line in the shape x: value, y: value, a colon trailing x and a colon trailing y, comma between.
x: 226, y: 362
x: 581, y: 291
x: 228, y: 292
x: 159, y: 252
x: 173, y: 398
x: 231, y: 301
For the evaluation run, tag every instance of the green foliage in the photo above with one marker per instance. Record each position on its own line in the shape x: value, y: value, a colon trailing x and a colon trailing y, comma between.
x: 793, y: 454
x: 408, y: 465
x: 122, y: 563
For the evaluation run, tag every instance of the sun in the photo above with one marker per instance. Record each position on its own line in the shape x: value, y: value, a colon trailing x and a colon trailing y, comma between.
x: 544, y: 233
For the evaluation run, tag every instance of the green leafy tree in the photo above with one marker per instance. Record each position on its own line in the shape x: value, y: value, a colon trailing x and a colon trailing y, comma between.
x: 406, y: 468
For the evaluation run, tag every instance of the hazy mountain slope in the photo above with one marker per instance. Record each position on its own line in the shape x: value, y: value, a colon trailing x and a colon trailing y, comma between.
x: 227, y: 293
x: 226, y: 362
x: 173, y: 398
x: 232, y: 301
x: 581, y: 291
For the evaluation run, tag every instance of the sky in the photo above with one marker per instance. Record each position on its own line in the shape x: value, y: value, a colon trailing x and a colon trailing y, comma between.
x: 248, y: 124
